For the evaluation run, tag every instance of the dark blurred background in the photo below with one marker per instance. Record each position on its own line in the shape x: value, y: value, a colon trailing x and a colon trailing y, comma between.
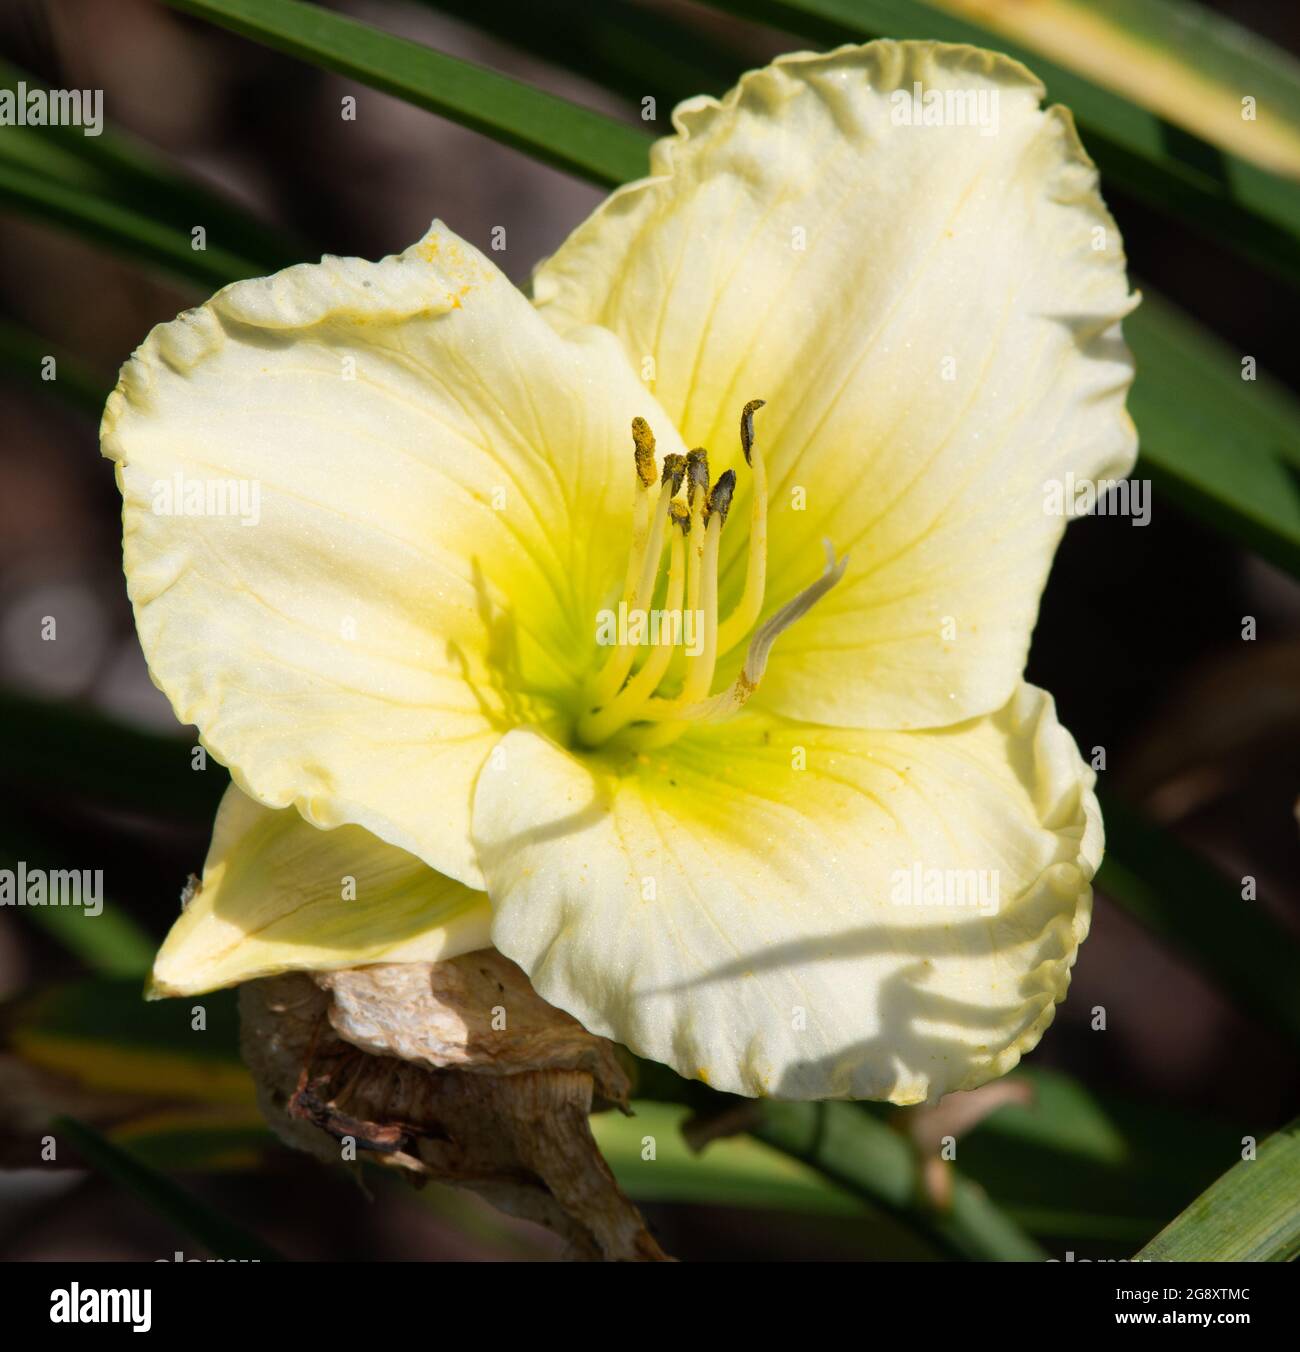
x: 1139, y: 639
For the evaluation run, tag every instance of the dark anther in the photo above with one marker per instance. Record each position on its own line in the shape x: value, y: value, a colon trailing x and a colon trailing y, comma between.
x: 720, y: 497
x: 674, y: 470
x: 747, y: 427
x: 697, y: 474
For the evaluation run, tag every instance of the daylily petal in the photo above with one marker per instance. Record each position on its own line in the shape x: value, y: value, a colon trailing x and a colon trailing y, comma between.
x: 281, y: 895
x: 444, y: 493
x: 932, y: 315
x: 741, y: 918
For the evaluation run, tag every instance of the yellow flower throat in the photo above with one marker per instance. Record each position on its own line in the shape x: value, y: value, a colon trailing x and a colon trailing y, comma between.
x: 692, y: 514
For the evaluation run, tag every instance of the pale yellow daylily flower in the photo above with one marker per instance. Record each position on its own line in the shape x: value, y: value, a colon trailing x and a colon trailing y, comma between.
x: 736, y: 857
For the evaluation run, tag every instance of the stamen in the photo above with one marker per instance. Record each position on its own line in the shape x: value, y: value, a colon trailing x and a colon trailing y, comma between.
x: 699, y: 670
x: 747, y: 427
x: 741, y: 620
x: 697, y: 496
x: 697, y: 474
x: 644, y: 441
x: 712, y: 511
x: 720, y: 497
x: 731, y: 701
x: 649, y: 521
x: 601, y: 724
x: 618, y: 696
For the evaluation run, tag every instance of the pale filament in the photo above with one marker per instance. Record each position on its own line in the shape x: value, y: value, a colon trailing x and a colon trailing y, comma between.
x: 741, y: 620
x: 701, y: 666
x: 697, y: 496
x: 615, y: 701
x: 621, y: 710
x: 730, y: 701
x: 643, y: 568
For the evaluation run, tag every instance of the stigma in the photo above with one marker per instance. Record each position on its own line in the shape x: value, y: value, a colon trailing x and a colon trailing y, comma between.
x: 678, y: 519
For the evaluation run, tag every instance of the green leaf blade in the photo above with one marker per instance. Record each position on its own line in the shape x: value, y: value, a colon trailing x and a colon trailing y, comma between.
x: 122, y: 228
x: 553, y: 130
x: 1178, y: 59
x: 1183, y: 901
x: 182, y: 1208
x: 631, y: 51
x: 1233, y: 201
x: 119, y: 191
x: 1224, y: 448
x: 863, y: 1155
x: 1250, y: 1215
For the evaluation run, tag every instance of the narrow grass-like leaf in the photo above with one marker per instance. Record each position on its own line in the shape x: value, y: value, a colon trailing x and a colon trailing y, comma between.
x: 1233, y: 201
x: 1183, y: 901
x: 865, y: 1156
x: 862, y: 1155
x: 736, y: 1171
x: 182, y: 1208
x: 128, y: 229
x: 22, y: 359
x: 1250, y: 1215
x: 231, y: 1140
x: 560, y: 133
x: 101, y: 1033
x: 632, y: 51
x: 1176, y: 58
x: 110, y: 943
x: 1227, y: 449
x: 1073, y: 1164
x: 116, y: 167
x: 80, y: 751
